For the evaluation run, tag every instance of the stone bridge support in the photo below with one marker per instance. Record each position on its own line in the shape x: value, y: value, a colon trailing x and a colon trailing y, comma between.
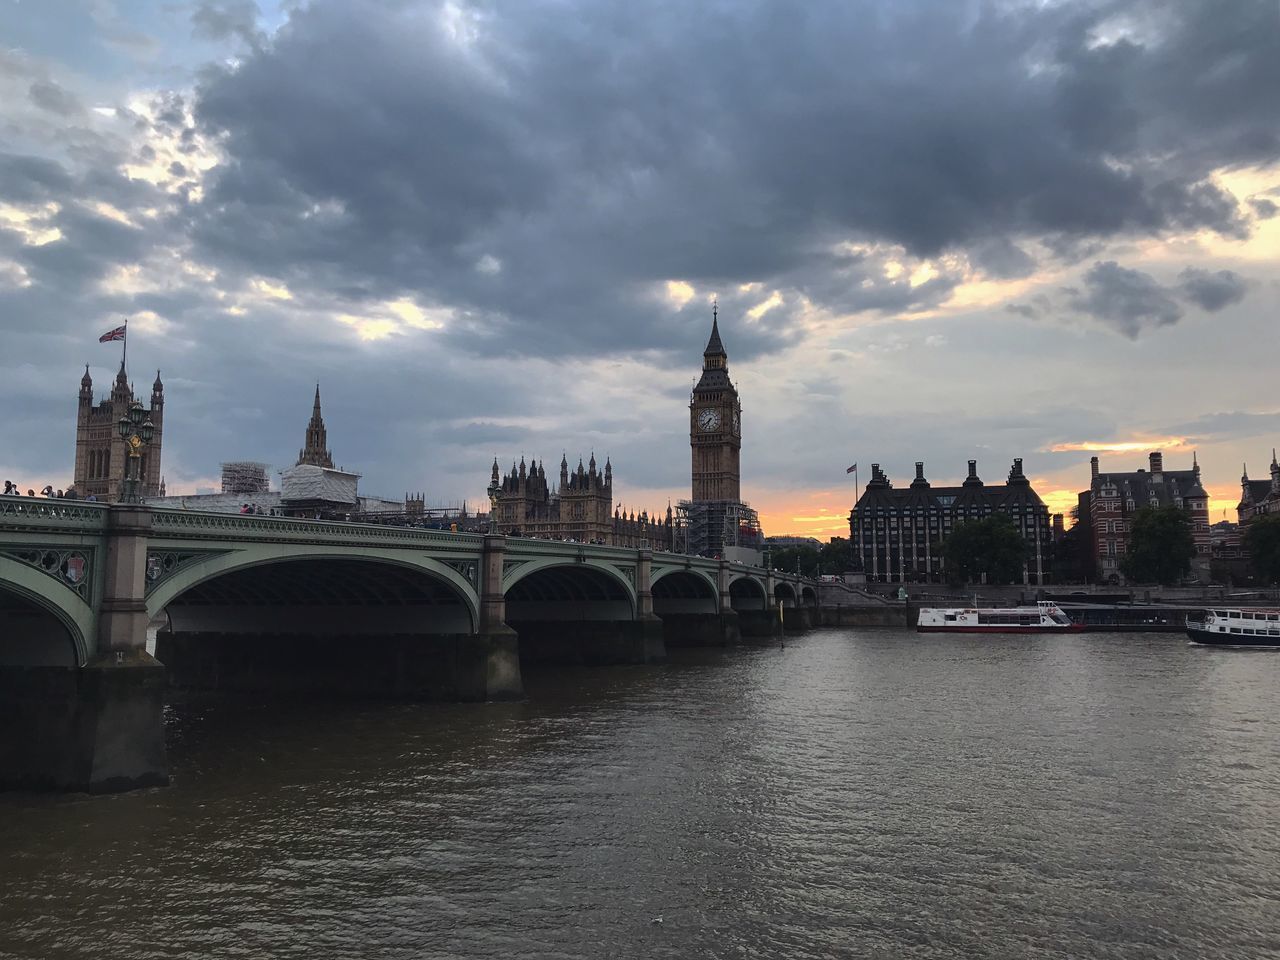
x: 98, y: 726
x: 730, y: 625
x: 653, y: 646
x: 497, y: 647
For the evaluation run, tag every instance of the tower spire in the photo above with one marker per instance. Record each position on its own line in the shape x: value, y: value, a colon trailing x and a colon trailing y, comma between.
x: 714, y: 347
x: 316, y: 450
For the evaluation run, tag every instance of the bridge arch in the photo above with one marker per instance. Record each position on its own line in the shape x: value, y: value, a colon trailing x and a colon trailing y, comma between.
x: 557, y: 589
x: 684, y: 591
x: 287, y: 579
x: 747, y: 593
x: 784, y: 592
x: 809, y: 596
x: 42, y: 623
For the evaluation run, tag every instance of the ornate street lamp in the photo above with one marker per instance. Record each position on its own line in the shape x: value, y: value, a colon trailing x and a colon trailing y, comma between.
x: 493, y: 506
x: 136, y: 430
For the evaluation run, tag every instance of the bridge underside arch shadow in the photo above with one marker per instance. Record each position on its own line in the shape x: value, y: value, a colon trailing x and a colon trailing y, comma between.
x: 576, y: 613
x: 335, y: 624
x: 33, y: 633
x: 688, y: 604
x: 757, y: 616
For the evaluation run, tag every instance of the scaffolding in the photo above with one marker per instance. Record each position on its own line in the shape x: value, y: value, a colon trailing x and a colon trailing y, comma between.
x: 711, y: 528
x: 245, y: 476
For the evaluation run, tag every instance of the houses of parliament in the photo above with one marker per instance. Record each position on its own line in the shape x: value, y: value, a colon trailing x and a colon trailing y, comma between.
x: 713, y: 522
x: 579, y: 507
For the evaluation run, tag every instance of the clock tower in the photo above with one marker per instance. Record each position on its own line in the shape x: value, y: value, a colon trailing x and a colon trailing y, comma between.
x: 715, y: 426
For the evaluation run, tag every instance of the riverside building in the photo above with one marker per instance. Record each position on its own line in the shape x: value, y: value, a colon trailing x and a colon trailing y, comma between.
x: 1107, y: 507
x: 896, y: 531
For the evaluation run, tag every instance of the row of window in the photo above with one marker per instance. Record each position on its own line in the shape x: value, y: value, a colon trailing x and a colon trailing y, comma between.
x: 1103, y: 506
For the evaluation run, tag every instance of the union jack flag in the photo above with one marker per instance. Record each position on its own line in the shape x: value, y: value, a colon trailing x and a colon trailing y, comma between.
x: 116, y: 334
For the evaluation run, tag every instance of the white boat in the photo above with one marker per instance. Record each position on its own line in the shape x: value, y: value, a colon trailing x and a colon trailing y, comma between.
x: 1044, y: 617
x: 1233, y: 627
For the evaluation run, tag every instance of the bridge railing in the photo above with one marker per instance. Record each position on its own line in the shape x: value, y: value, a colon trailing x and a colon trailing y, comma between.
x: 24, y: 513
x: 199, y: 524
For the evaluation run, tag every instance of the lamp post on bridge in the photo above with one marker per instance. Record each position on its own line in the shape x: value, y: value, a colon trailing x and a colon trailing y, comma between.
x: 136, y: 430
x: 493, y: 506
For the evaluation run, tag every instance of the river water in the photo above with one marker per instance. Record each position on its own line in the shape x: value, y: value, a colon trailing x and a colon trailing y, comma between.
x: 860, y: 793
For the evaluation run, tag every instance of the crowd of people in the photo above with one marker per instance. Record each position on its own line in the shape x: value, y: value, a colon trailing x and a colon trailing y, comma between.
x: 11, y: 489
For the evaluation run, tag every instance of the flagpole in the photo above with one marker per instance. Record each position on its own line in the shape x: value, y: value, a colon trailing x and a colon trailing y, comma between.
x: 124, y: 352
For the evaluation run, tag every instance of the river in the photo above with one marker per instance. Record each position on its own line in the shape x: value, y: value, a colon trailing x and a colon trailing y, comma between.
x: 860, y: 793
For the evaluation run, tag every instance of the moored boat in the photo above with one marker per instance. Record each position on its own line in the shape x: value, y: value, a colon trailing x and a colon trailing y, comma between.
x: 1236, y: 627
x: 1044, y: 617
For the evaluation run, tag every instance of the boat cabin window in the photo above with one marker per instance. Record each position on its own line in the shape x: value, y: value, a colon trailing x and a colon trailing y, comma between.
x: 951, y: 616
x: 1235, y: 629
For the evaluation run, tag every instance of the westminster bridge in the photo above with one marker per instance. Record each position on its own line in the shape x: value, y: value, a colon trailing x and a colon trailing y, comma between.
x: 275, y: 605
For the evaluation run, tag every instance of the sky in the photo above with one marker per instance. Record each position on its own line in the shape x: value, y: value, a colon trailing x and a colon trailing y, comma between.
x: 937, y: 231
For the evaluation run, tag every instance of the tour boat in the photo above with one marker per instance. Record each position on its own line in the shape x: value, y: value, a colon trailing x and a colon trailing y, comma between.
x: 1236, y: 628
x: 1044, y: 617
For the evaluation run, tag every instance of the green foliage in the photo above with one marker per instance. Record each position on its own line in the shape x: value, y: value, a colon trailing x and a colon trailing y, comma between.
x: 833, y: 558
x: 1160, y: 546
x: 991, y: 545
x: 1262, y: 540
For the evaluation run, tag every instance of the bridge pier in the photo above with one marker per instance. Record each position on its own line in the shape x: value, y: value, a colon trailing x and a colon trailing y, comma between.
x: 97, y: 727
x: 496, y: 649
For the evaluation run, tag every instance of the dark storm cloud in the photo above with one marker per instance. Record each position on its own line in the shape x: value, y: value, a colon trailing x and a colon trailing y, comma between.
x: 1127, y: 300
x: 1212, y: 290
x: 586, y: 153
x: 1131, y: 301
x: 47, y: 95
x: 25, y: 179
x: 224, y: 19
x: 1227, y: 425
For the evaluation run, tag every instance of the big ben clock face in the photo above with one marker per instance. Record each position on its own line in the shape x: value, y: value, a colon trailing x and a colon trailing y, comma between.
x: 709, y: 420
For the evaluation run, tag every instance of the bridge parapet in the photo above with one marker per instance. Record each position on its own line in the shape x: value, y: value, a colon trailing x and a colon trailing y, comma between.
x: 190, y: 524
x: 29, y: 513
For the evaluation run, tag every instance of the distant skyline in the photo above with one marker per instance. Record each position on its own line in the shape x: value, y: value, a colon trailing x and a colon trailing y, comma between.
x: 938, y: 231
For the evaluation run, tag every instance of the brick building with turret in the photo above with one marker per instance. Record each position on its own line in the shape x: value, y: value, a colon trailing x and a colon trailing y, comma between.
x: 1107, y: 507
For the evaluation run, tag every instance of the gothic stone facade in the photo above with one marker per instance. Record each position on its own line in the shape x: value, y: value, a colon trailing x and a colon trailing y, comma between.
x: 580, y: 508
x: 101, y: 455
x: 716, y: 520
x: 715, y: 427
x: 895, y: 531
x: 315, y: 450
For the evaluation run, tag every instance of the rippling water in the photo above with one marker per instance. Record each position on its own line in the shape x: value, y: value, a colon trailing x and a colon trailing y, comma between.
x: 866, y: 793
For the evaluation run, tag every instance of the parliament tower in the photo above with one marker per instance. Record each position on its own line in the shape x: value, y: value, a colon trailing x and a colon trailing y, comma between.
x: 102, y: 456
x: 715, y: 426
x: 715, y: 522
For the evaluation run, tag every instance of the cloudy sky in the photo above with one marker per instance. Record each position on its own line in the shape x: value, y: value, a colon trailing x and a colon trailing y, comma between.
x: 937, y: 231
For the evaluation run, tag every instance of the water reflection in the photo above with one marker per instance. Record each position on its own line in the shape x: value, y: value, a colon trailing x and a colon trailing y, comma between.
x: 869, y: 793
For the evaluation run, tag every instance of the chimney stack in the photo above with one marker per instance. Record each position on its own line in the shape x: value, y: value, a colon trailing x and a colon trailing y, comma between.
x: 973, y: 469
x: 1156, y: 460
x: 919, y: 469
x: 1093, y: 467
